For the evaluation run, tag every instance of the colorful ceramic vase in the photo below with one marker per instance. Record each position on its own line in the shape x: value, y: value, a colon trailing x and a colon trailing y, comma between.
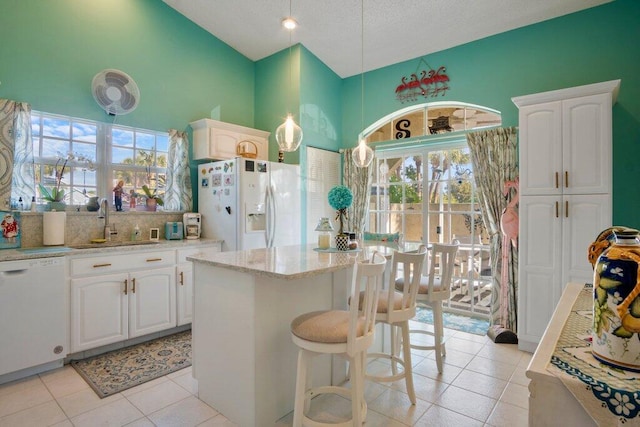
x: 616, y: 305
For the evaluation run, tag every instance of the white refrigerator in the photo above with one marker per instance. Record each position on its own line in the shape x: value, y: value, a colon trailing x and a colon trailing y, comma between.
x: 250, y: 203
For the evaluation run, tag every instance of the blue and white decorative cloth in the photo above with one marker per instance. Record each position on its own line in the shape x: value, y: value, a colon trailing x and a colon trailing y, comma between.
x: 610, y: 396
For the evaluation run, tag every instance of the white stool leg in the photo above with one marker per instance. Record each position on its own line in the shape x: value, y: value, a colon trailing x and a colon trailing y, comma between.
x: 406, y: 356
x: 394, y: 348
x: 438, y: 330
x: 357, y: 391
x: 301, y: 404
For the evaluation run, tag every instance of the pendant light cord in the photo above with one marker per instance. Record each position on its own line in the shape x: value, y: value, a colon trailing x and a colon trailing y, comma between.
x: 290, y: 61
x: 362, y: 70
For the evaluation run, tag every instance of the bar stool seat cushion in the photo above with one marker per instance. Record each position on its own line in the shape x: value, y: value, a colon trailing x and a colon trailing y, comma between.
x: 424, y: 285
x: 329, y: 326
x: 383, y: 303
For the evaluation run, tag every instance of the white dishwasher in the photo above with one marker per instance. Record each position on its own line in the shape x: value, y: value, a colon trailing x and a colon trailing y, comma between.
x: 33, y: 313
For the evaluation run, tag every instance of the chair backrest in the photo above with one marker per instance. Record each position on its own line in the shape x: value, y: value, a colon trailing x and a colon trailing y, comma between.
x: 412, y: 265
x: 367, y: 277
x: 443, y: 256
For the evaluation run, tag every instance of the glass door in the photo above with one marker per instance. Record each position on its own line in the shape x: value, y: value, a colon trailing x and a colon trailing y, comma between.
x: 428, y: 195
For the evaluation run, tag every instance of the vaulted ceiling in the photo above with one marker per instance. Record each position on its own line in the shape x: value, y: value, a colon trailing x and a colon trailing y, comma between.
x: 394, y: 30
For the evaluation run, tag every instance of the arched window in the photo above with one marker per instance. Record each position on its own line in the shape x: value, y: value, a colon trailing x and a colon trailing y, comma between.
x: 432, y: 118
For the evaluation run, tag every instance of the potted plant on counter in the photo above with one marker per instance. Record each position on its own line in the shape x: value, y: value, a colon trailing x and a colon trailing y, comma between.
x: 55, y: 195
x: 340, y: 198
x: 153, y: 199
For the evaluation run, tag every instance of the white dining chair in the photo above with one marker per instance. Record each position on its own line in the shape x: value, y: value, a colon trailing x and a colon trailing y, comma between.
x: 396, y: 308
x: 434, y: 289
x: 346, y: 332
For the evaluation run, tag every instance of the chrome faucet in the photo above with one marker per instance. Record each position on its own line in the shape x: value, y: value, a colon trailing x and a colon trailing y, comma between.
x: 103, y: 212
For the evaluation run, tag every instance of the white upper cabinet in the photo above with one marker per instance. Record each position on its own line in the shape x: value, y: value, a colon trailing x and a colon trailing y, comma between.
x: 565, y: 140
x: 215, y: 140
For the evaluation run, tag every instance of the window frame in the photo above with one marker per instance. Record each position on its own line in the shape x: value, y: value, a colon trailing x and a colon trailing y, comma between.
x: 105, y: 169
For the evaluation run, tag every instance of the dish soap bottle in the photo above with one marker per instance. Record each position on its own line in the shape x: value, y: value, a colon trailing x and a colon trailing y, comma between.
x: 135, y: 236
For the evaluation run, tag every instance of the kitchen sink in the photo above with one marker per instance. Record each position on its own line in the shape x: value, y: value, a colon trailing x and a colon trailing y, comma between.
x: 112, y: 244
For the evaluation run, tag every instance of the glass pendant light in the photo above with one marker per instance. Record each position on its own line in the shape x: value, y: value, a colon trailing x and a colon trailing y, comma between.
x: 363, y: 154
x: 289, y: 134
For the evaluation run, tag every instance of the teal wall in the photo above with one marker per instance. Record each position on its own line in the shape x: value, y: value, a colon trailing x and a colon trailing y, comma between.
x: 278, y: 93
x: 51, y: 50
x: 594, y: 45
x: 320, y: 103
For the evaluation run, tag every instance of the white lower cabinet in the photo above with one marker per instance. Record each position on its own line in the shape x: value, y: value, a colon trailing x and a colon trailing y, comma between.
x: 108, y: 308
x: 184, y: 276
x: 184, y: 281
x: 118, y: 297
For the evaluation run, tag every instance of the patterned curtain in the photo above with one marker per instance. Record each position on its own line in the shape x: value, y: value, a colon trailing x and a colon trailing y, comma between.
x: 494, y: 157
x: 17, y: 177
x: 358, y: 180
x: 178, y: 195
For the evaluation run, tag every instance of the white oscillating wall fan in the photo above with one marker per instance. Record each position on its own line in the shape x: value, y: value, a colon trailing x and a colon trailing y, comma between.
x: 115, y: 91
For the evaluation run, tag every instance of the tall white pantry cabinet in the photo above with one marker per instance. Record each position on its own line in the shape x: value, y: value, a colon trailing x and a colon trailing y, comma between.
x: 565, y: 162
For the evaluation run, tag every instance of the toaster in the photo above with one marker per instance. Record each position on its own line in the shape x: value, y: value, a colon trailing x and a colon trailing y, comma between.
x: 173, y: 231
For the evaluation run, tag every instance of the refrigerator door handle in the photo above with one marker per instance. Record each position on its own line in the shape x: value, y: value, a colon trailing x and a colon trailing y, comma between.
x: 274, y: 213
x: 267, y: 207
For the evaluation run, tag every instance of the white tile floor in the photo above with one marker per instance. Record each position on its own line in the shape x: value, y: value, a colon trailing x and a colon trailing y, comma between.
x: 483, y: 384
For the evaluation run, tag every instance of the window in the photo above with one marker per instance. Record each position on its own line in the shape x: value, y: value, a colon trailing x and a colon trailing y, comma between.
x: 97, y: 155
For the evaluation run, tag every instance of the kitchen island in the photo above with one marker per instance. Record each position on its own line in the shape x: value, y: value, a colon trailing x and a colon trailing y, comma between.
x: 244, y: 301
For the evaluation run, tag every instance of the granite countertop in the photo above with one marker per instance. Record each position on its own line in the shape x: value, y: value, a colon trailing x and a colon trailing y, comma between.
x: 285, y: 262
x: 99, y: 248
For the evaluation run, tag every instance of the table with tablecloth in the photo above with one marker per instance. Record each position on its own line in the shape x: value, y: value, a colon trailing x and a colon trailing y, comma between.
x: 609, y: 396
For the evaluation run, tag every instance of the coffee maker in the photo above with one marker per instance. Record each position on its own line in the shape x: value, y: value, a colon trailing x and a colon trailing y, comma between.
x: 192, y: 225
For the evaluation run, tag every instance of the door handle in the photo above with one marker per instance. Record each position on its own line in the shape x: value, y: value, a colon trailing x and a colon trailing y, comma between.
x: 101, y: 265
x: 556, y: 209
x: 566, y: 209
x: 154, y: 259
x: 566, y: 179
x: 126, y: 283
x: 556, y: 179
x: 182, y: 278
x: 134, y: 285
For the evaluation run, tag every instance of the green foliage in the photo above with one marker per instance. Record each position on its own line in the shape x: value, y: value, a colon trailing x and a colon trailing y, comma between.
x: 54, y: 195
x: 152, y: 195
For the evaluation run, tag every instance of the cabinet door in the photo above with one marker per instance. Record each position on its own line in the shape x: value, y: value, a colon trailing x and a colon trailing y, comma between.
x: 99, y: 311
x: 223, y: 144
x: 584, y: 217
x: 540, y: 264
x: 184, y: 292
x: 540, y: 148
x: 587, y: 148
x: 152, y: 301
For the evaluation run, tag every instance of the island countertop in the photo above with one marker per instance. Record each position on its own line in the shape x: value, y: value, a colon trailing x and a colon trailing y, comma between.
x: 285, y: 262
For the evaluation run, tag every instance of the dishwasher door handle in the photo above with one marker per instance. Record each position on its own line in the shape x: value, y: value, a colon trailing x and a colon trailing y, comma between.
x: 14, y: 272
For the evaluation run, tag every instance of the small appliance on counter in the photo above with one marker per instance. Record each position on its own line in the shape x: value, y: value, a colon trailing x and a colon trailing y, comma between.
x: 173, y: 230
x: 192, y: 225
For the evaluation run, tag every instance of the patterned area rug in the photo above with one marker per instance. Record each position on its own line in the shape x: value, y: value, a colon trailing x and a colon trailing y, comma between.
x: 118, y: 370
x: 468, y: 324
